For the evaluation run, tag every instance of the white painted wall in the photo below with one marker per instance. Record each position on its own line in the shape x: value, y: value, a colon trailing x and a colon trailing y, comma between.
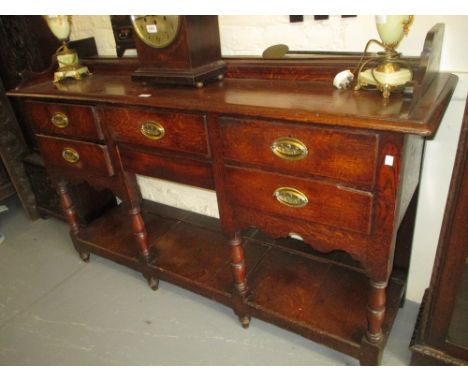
x: 250, y: 35
x: 438, y: 162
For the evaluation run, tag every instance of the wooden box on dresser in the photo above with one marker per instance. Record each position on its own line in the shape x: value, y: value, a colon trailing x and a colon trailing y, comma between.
x: 287, y: 155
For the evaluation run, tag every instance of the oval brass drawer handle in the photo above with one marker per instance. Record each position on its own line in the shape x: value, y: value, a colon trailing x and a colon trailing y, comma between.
x: 59, y: 120
x: 291, y: 197
x: 152, y: 130
x: 70, y: 155
x: 289, y: 148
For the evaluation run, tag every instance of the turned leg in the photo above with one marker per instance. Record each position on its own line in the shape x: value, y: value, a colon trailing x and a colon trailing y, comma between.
x: 141, y: 238
x: 68, y: 207
x: 240, y: 282
x: 371, y: 348
x: 70, y: 214
x: 139, y: 232
x: 376, y: 311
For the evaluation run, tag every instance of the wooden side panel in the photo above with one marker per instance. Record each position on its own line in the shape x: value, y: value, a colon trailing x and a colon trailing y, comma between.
x: 388, y: 186
x: 410, y: 173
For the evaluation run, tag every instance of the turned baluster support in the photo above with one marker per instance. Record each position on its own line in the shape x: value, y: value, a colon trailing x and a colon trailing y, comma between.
x: 68, y: 209
x: 240, y: 281
x: 141, y: 238
x: 376, y: 311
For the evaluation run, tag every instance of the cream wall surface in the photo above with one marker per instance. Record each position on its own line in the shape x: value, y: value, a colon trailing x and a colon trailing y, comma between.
x: 250, y: 35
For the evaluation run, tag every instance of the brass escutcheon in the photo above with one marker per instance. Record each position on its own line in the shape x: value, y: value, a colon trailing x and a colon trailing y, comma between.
x: 291, y: 197
x: 289, y: 148
x: 70, y: 155
x: 152, y: 130
x: 59, y: 120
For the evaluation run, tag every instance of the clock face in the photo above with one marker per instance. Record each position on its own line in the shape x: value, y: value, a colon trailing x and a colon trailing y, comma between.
x: 156, y: 31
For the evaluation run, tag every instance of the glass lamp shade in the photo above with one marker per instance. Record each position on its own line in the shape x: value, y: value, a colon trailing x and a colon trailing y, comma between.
x: 60, y: 26
x: 392, y: 29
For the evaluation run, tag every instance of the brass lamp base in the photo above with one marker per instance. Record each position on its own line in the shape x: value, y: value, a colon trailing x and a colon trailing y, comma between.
x: 386, y: 82
x: 69, y: 65
x: 71, y: 72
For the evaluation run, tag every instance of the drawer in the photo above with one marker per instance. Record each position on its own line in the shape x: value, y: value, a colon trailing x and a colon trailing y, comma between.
x: 314, y: 201
x: 75, y: 155
x: 182, y: 170
x: 300, y: 149
x: 181, y: 132
x: 74, y: 121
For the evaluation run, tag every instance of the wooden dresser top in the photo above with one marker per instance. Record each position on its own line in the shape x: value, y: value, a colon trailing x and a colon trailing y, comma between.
x: 304, y: 101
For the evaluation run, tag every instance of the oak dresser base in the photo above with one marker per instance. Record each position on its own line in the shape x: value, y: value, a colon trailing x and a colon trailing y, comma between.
x: 285, y: 153
x: 331, y: 284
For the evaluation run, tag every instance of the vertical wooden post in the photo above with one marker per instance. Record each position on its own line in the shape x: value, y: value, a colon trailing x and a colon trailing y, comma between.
x: 141, y: 238
x: 68, y: 208
x: 376, y: 311
x: 139, y: 231
x: 240, y: 279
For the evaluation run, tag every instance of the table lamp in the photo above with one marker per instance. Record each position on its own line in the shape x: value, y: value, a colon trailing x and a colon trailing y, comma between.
x: 69, y: 63
x: 386, y: 71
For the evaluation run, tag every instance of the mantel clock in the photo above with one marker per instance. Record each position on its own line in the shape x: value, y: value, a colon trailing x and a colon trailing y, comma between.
x: 183, y: 50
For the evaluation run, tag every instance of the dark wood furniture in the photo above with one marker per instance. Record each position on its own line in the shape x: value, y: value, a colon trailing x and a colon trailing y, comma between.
x: 21, y: 50
x: 441, y: 332
x: 13, y: 176
x: 6, y: 187
x: 27, y: 46
x: 287, y: 155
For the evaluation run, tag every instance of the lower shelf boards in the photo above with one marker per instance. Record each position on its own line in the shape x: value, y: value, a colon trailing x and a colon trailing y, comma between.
x: 322, y: 297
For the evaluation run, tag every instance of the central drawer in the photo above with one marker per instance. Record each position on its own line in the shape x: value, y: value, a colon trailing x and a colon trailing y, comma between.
x: 315, y: 201
x: 301, y: 149
x: 184, y: 170
x: 181, y: 132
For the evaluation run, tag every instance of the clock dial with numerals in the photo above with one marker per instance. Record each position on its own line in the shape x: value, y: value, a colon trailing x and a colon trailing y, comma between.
x: 156, y: 31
